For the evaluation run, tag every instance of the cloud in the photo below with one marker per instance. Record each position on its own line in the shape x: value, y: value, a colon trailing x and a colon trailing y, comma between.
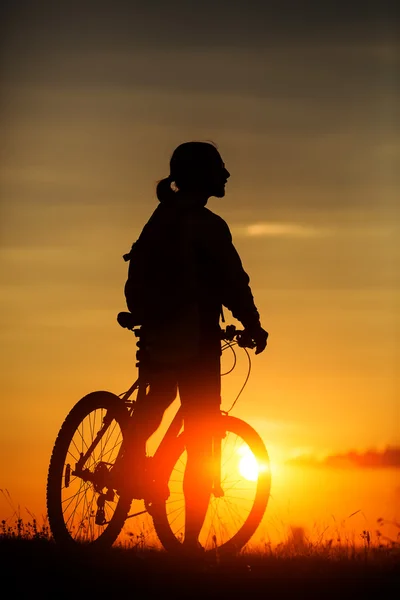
x: 269, y: 229
x: 298, y: 230
x: 389, y: 457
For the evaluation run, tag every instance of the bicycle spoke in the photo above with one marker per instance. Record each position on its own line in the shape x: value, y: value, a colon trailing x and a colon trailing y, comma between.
x: 228, y: 514
x: 79, y: 498
x: 232, y: 508
x: 232, y: 513
x: 174, y: 510
x: 213, y: 509
x: 79, y: 501
x: 177, y: 516
x: 169, y: 502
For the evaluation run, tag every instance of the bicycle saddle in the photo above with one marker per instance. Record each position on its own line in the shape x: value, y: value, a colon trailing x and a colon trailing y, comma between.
x: 126, y: 320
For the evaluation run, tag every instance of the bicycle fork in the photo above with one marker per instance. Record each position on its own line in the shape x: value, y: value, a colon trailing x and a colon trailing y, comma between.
x: 217, y: 490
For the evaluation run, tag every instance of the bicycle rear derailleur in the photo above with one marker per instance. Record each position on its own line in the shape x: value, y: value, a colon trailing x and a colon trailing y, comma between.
x: 100, y: 518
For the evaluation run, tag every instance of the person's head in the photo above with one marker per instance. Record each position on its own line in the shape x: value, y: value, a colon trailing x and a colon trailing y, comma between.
x: 195, y: 168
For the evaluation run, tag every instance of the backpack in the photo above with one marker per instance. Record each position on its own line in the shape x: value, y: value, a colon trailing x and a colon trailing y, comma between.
x: 160, y: 276
x: 135, y: 286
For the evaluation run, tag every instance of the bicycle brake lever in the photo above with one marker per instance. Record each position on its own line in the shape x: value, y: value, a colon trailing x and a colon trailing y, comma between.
x: 245, y: 341
x: 230, y: 332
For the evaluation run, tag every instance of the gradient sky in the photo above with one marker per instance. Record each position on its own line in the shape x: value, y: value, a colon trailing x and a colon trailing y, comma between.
x: 303, y: 105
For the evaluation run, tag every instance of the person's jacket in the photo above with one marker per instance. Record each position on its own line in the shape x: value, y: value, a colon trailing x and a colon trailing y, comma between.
x: 187, y: 258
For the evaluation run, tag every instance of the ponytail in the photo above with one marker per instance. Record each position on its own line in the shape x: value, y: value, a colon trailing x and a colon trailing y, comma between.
x: 164, y: 191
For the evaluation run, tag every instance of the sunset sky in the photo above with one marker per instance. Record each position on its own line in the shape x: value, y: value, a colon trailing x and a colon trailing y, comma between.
x: 303, y: 104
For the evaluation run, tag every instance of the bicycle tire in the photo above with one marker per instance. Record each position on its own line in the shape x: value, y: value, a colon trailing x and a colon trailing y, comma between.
x: 171, y: 541
x: 98, y: 536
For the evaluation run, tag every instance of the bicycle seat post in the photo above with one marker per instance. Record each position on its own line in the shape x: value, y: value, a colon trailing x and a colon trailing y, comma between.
x: 137, y: 333
x: 140, y: 355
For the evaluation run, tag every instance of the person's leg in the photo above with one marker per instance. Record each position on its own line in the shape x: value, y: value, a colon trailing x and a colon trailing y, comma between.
x: 200, y: 391
x: 197, y: 479
x: 147, y: 417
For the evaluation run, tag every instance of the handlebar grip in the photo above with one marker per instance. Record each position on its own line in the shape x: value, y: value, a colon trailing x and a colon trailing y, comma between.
x: 242, y: 337
x: 229, y: 333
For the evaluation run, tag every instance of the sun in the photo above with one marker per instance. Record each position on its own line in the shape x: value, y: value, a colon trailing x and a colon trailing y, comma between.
x: 248, y: 466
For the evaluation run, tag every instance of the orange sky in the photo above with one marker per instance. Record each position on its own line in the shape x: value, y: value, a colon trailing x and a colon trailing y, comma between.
x: 311, y: 139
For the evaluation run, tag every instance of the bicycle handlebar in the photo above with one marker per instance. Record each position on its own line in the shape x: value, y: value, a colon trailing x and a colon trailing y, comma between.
x: 240, y: 335
x: 230, y: 334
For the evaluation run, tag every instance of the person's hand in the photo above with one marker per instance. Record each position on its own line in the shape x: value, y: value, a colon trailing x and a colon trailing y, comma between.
x: 260, y: 337
x: 255, y: 337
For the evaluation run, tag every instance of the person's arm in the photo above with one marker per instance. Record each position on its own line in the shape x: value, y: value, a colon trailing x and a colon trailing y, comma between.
x: 236, y: 292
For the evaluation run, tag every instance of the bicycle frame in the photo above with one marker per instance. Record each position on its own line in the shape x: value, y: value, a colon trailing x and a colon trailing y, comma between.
x: 99, y: 470
x: 141, y: 386
x: 173, y: 429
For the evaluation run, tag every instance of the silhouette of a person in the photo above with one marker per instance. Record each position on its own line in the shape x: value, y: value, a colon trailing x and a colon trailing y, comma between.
x: 190, y: 269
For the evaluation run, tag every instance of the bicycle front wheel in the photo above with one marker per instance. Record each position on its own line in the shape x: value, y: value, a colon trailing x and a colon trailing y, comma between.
x: 233, y: 515
x: 82, y: 508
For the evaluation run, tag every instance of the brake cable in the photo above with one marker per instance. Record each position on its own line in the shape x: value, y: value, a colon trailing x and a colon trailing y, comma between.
x: 229, y: 345
x: 226, y: 412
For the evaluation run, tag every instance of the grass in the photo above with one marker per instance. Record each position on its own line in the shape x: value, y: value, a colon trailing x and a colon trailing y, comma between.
x: 31, y: 561
x: 34, y: 564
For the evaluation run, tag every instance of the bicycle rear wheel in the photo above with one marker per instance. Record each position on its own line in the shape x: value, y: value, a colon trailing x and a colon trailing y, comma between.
x: 81, y: 508
x: 232, y: 518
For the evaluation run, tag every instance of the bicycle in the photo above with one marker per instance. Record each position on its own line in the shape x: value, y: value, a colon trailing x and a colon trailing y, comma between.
x: 85, y: 508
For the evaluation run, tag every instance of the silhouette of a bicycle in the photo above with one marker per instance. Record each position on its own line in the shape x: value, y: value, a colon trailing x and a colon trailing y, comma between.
x: 84, y: 506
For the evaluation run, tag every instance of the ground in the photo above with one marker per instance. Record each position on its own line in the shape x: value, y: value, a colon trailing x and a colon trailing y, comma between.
x: 38, y: 567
